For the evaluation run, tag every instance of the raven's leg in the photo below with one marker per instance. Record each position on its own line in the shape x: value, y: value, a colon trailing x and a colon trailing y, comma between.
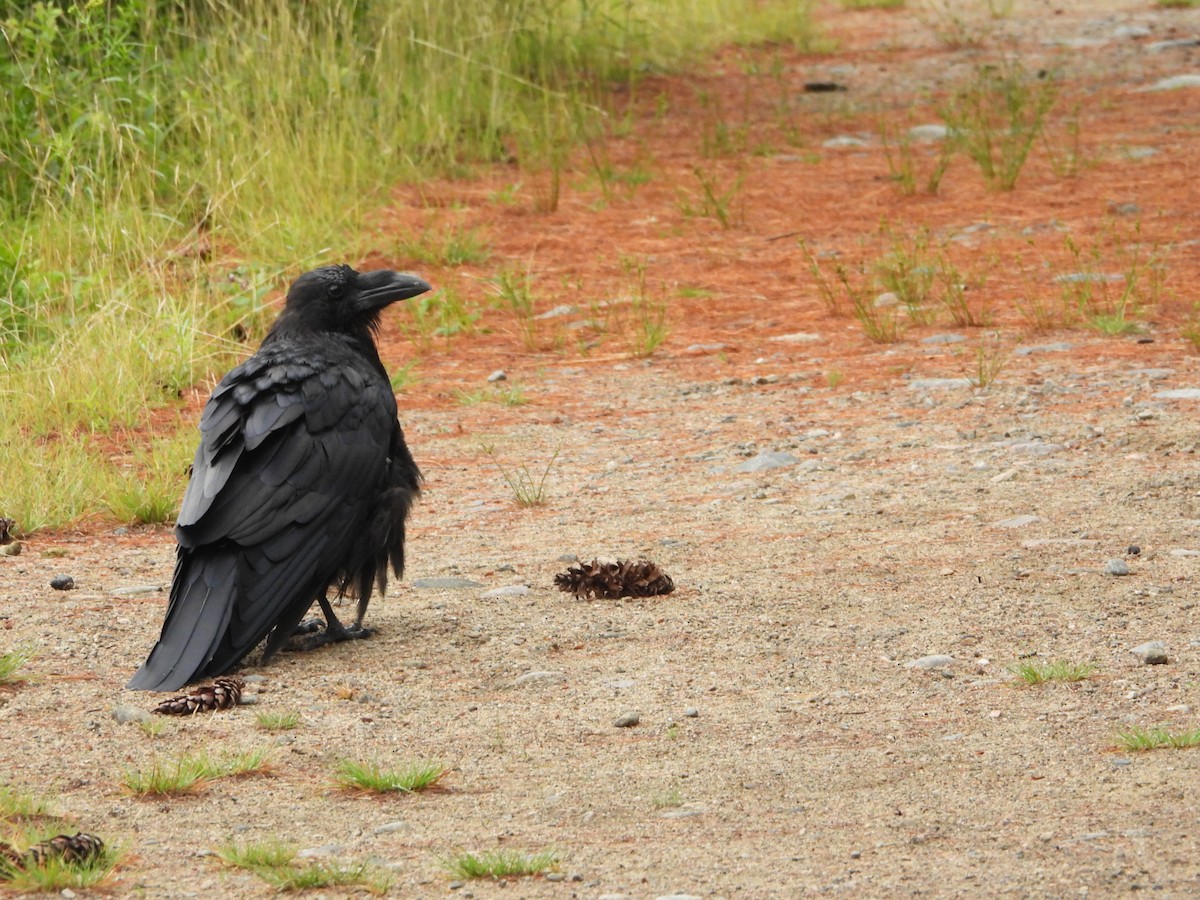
x: 333, y: 632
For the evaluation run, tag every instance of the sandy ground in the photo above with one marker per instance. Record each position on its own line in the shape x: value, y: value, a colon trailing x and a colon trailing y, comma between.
x: 785, y: 746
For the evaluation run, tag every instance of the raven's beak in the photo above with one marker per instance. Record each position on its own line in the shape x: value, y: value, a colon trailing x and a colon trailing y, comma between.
x: 377, y: 289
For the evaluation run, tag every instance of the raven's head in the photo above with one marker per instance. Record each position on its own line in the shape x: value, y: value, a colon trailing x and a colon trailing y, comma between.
x: 337, y: 298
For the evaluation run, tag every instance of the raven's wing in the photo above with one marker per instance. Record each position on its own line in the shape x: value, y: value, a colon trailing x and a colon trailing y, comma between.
x: 294, y: 444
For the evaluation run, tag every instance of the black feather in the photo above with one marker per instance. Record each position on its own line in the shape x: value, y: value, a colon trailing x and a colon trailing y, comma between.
x: 302, y: 481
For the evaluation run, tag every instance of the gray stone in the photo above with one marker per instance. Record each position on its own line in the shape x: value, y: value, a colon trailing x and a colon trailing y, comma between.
x: 530, y: 677
x: 707, y: 348
x: 1141, y: 152
x: 943, y: 339
x: 682, y: 813
x: 512, y: 590
x: 691, y: 712
x: 322, y: 850
x: 933, y: 661
x: 498, y: 375
x: 391, y: 828
x: 1016, y: 521
x: 1178, y: 394
x: 558, y: 311
x: 928, y: 133
x: 1151, y: 653
x: 1058, y: 347
x: 443, y: 584
x: 1116, y: 567
x: 939, y: 384
x: 11, y: 549
x: 767, y: 460
x: 1175, y: 83
x: 134, y: 590
x: 124, y: 713
x: 1087, y: 278
x: 1131, y: 31
x: 628, y: 719
x: 844, y: 140
x: 797, y: 337
x: 1160, y: 46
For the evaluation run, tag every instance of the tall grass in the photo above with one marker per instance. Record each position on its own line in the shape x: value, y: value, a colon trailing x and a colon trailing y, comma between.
x: 154, y: 153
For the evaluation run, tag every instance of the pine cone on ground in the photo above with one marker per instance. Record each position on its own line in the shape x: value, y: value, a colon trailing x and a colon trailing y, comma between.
x: 613, y: 578
x: 223, y: 693
x: 79, y: 847
x: 72, y: 848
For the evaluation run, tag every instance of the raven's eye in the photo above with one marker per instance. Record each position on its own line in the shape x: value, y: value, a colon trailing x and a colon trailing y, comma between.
x: 336, y: 289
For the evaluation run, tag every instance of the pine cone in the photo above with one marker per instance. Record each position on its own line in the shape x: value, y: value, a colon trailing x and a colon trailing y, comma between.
x: 79, y: 847
x: 72, y: 848
x: 223, y: 693
x: 613, y: 578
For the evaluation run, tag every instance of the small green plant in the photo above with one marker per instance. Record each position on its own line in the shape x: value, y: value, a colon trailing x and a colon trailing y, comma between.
x: 1112, y: 302
x: 11, y: 664
x: 1139, y: 738
x: 514, y: 290
x: 371, y: 776
x: 153, y: 727
x: 19, y: 805
x: 957, y: 293
x: 500, y: 863
x: 452, y: 246
x: 1033, y: 672
x: 988, y: 361
x: 720, y: 200
x: 248, y: 762
x: 830, y: 296
x: 275, y: 863
x: 511, y: 394
x: 404, y: 377
x: 834, y: 377
x: 668, y: 799
x: 184, y: 775
x: 996, y: 117
x: 908, y: 270
x: 649, y: 313
x: 277, y: 721
x: 527, y: 489
x: 1178, y: 4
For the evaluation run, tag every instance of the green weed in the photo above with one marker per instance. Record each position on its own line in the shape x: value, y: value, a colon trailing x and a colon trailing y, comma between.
x: 528, y: 489
x: 275, y: 863
x: 277, y: 721
x: 371, y: 776
x: 649, y: 313
x: 514, y: 291
x: 16, y: 804
x: 506, y: 395
x: 718, y: 199
x: 987, y: 362
x: 500, y: 863
x: 188, y: 773
x: 1139, y: 738
x: 11, y: 664
x: 450, y: 246
x: 1033, y: 672
x: 56, y: 874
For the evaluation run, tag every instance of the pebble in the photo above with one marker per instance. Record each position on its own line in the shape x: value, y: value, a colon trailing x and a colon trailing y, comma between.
x: 1059, y: 347
x: 322, y: 850
x: 125, y: 713
x: 943, y: 339
x: 767, y: 460
x: 390, y: 828
x: 562, y: 310
x: 498, y: 375
x: 928, y: 133
x: 628, y: 719
x: 844, y: 140
x: 1178, y: 394
x: 933, y: 661
x: 1087, y: 278
x: 62, y: 582
x: 1175, y: 44
x: 1151, y: 653
x: 512, y: 590
x: 691, y: 712
x: 13, y: 549
x: 797, y: 337
x: 1116, y: 567
x: 1016, y: 521
x: 530, y: 677
x: 939, y: 384
x: 451, y: 583
x: 136, y: 589
x: 681, y: 813
x: 1174, y: 83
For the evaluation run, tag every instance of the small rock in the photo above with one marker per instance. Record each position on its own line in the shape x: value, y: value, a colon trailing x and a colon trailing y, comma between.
x: 939, y: 384
x: 1016, y: 521
x: 555, y: 876
x: 844, y: 140
x: 1133, y: 550
x: 13, y: 549
x: 943, y: 339
x: 1151, y: 653
x: 443, y: 583
x: 1174, y: 83
x: 322, y: 850
x: 767, y: 460
x: 1178, y: 394
x: 691, y: 712
x: 512, y: 590
x: 498, y: 375
x: 562, y: 310
x: 928, y: 133
x: 1059, y: 347
x: 125, y: 713
x: 934, y: 661
x: 1116, y: 567
x: 136, y: 589
x: 628, y: 719
x: 797, y: 337
x: 62, y: 582
x: 390, y: 828
x: 529, y: 677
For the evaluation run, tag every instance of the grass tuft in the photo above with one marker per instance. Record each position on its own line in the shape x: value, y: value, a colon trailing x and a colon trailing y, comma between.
x: 370, y: 776
x: 500, y: 863
x: 191, y: 772
x: 527, y: 488
x: 1033, y: 672
x: 277, y: 721
x: 275, y: 863
x: 11, y: 664
x: 1139, y: 738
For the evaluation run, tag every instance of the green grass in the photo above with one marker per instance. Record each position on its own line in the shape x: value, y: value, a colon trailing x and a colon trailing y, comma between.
x: 277, y: 721
x: 165, y: 169
x: 506, y: 395
x: 1177, y: 4
x: 369, y: 775
x: 528, y: 488
x: 1139, y: 738
x: 500, y: 863
x: 56, y: 874
x: 275, y: 863
x: 649, y: 327
x: 188, y: 773
x: 11, y: 664
x: 1033, y: 672
x: 17, y: 805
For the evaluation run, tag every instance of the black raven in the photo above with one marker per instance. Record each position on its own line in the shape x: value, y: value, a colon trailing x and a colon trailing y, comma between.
x: 302, y: 482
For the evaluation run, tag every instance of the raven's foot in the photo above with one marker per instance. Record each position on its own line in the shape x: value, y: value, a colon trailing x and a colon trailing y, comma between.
x: 333, y: 633
x: 308, y: 626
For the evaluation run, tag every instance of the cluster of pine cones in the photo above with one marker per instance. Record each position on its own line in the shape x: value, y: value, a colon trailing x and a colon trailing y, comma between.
x: 80, y: 847
x: 613, y: 578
